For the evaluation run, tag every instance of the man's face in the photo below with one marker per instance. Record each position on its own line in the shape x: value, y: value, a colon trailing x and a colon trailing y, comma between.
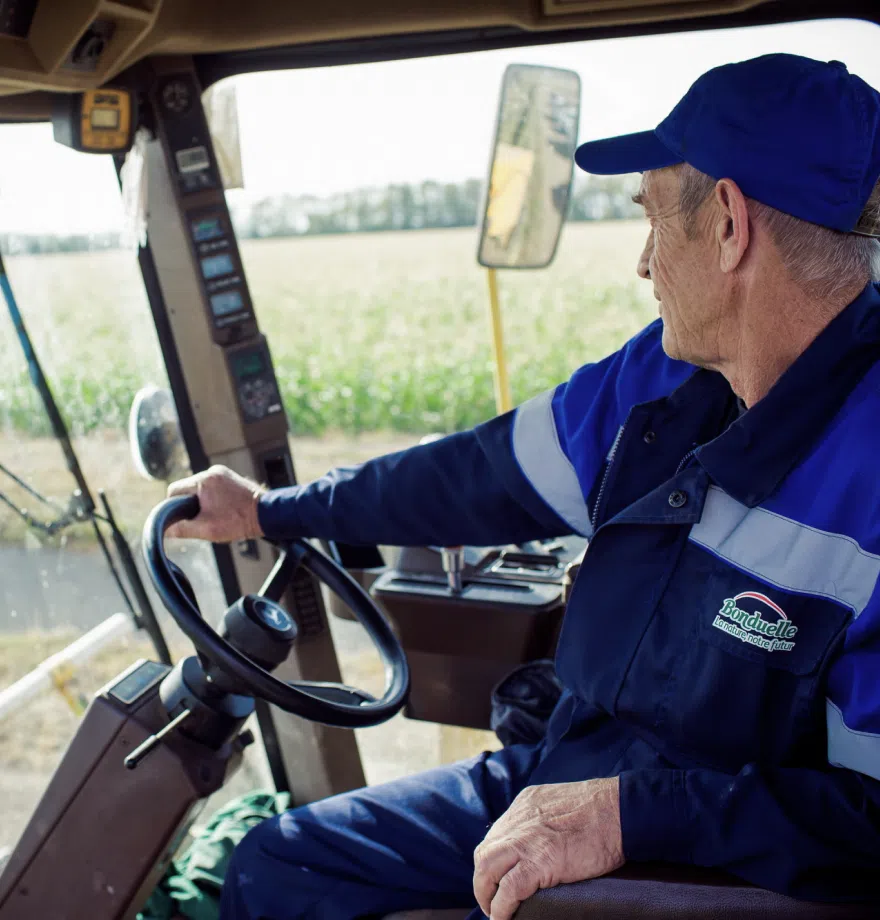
x: 685, y: 272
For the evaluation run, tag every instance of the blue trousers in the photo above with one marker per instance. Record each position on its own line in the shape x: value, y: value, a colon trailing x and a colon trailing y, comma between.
x: 404, y: 845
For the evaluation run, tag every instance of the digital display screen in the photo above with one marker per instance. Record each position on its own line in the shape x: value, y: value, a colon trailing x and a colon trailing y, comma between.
x: 208, y: 228
x: 141, y: 679
x: 214, y: 266
x: 192, y: 159
x: 248, y: 364
x: 226, y: 302
x: 105, y: 119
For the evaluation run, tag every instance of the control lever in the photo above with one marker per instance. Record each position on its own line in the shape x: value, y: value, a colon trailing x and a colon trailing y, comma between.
x: 453, y: 563
x: 142, y: 750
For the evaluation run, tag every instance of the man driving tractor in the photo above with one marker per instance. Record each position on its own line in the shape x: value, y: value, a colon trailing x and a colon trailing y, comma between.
x: 720, y: 649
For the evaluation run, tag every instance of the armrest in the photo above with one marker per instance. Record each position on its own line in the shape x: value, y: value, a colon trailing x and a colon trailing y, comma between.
x: 666, y: 892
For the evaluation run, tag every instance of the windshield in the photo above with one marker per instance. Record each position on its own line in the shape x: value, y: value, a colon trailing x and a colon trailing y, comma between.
x: 358, y: 220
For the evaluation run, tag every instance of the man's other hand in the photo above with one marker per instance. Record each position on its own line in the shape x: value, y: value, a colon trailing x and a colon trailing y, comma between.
x: 550, y: 835
x: 228, y: 506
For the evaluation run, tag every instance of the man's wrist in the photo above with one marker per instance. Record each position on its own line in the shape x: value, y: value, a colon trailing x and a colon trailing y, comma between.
x: 256, y: 527
x: 655, y: 818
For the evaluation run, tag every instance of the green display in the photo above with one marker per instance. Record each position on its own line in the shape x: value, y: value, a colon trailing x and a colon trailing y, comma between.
x: 207, y: 228
x: 248, y: 364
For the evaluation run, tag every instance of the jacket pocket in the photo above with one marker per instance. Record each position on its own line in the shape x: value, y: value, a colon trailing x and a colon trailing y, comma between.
x: 747, y: 686
x: 760, y: 622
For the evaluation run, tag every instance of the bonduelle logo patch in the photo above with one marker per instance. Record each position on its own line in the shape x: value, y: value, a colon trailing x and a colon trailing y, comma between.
x: 767, y: 626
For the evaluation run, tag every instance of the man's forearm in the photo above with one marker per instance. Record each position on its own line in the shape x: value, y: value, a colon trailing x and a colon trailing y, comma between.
x: 447, y: 492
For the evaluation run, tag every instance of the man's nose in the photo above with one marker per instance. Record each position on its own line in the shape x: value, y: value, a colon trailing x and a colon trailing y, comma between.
x: 643, y: 269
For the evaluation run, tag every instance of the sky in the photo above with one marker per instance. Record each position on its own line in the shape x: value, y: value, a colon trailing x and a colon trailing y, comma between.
x: 326, y: 130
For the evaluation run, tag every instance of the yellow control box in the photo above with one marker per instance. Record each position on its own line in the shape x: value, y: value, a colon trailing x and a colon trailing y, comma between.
x: 96, y: 121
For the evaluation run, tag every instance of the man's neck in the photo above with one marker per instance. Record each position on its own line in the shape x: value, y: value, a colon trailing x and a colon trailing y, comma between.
x: 775, y: 326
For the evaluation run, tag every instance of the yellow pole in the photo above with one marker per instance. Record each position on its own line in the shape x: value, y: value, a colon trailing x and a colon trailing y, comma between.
x: 503, y: 401
x: 64, y: 680
x: 458, y: 743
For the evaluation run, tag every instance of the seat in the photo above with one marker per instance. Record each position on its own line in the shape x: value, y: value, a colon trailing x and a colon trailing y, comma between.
x: 665, y: 892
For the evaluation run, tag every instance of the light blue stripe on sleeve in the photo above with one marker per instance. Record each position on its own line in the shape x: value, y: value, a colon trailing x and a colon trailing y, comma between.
x: 543, y: 461
x: 859, y: 751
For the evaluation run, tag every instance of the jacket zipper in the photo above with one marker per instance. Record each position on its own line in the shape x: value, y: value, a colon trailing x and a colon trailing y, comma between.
x: 611, y: 456
x: 595, y: 515
x: 685, y: 460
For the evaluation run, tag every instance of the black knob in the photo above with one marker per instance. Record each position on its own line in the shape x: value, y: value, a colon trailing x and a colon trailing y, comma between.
x: 260, y: 629
x: 245, y: 739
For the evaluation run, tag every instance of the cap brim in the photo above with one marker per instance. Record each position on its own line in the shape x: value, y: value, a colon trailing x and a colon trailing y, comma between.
x: 627, y: 153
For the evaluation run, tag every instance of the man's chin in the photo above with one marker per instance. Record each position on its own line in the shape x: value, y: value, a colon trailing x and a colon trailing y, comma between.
x: 669, y: 344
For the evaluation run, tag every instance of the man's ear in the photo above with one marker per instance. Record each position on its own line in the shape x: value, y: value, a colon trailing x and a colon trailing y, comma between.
x: 732, y: 228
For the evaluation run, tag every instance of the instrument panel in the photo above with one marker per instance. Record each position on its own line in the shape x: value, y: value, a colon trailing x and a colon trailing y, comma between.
x: 220, y: 270
x: 254, y: 380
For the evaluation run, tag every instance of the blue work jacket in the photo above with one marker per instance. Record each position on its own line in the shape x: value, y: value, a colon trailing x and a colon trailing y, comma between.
x: 721, y: 648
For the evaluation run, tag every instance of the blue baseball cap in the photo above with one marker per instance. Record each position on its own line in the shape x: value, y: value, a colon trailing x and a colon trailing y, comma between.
x: 799, y: 135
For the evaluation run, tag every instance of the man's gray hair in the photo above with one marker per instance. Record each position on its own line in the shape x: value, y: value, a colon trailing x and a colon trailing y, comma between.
x: 824, y: 262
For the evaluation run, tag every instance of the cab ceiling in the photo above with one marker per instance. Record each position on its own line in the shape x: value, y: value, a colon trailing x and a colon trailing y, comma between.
x: 73, y: 45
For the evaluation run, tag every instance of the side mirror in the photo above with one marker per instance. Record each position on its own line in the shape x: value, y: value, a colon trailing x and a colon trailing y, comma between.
x: 154, y: 436
x: 531, y: 169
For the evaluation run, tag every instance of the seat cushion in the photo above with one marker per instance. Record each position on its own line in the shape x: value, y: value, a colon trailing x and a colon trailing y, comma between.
x: 677, y: 893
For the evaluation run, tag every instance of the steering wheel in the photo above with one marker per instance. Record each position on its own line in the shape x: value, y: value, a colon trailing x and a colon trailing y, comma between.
x: 330, y: 703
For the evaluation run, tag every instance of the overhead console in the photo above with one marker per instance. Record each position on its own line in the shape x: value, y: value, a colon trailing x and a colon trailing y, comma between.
x: 69, y: 44
x: 73, y: 45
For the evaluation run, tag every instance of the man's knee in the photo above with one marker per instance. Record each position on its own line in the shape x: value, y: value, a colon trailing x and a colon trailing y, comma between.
x: 243, y: 866
x: 282, y: 859
x: 249, y: 854
x: 267, y: 860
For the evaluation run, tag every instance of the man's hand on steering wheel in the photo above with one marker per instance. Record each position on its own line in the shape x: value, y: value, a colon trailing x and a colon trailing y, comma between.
x: 228, y: 506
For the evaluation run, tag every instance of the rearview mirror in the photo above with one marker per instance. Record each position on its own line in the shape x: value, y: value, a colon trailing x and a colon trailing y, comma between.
x: 531, y: 168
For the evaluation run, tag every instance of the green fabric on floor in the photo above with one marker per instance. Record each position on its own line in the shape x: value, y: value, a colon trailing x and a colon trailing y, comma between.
x: 191, y: 886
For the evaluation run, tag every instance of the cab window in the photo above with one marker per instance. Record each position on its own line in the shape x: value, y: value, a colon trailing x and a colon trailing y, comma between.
x: 363, y: 189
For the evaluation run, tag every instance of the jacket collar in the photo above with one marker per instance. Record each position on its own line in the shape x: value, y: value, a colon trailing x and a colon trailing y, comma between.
x: 756, y: 452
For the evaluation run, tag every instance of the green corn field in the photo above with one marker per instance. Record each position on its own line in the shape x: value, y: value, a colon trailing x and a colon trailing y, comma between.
x: 369, y: 332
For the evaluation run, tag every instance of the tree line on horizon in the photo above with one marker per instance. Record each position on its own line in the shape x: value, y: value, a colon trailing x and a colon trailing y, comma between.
x: 396, y: 207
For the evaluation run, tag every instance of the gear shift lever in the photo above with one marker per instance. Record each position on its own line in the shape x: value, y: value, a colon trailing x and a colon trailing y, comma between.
x: 453, y: 563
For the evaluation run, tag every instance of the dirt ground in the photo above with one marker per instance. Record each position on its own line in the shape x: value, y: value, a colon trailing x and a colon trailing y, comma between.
x: 106, y: 463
